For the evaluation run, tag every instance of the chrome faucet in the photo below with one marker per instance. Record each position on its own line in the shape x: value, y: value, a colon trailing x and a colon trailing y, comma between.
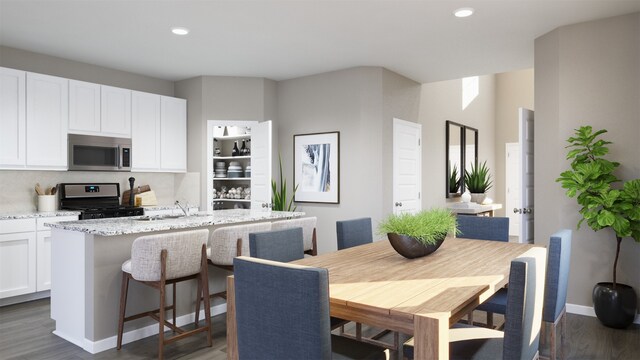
x: 185, y: 209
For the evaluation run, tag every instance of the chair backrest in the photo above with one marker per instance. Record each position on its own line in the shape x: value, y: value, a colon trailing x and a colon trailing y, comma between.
x: 282, y: 310
x: 279, y: 245
x: 307, y: 224
x: 558, y: 263
x: 353, y: 232
x: 523, y: 315
x: 184, y: 254
x: 483, y: 227
x: 224, y: 240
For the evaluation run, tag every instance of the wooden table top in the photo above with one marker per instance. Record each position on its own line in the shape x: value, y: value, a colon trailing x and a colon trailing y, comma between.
x: 375, y: 278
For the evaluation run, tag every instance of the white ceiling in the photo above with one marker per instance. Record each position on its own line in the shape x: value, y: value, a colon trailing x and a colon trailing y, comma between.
x: 287, y: 39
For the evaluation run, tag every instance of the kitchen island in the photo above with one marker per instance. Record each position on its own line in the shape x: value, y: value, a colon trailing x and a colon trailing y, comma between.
x: 86, y: 265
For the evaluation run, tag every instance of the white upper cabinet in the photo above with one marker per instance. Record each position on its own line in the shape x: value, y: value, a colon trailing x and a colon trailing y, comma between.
x: 145, y: 131
x: 84, y: 108
x: 116, y: 111
x: 12, y: 119
x: 47, y: 121
x: 173, y: 134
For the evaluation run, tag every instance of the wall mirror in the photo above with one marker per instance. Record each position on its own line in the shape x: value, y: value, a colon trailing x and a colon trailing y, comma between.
x: 461, y: 154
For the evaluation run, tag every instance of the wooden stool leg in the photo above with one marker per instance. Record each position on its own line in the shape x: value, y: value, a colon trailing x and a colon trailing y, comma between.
x: 124, y: 289
x: 199, y: 297
x: 163, y: 274
x: 174, y: 306
x: 204, y: 280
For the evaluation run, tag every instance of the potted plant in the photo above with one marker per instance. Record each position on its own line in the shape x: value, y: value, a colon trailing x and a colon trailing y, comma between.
x: 478, y: 181
x: 279, y: 193
x: 420, y: 234
x: 454, y: 181
x: 606, y: 202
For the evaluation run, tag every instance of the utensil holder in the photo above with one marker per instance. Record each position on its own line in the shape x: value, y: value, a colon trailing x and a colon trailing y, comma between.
x: 46, y: 203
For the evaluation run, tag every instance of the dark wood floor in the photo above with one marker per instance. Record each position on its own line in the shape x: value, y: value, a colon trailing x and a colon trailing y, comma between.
x: 25, y: 333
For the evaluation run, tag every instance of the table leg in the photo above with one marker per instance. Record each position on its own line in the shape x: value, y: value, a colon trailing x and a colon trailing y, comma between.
x: 232, y: 330
x: 431, y: 336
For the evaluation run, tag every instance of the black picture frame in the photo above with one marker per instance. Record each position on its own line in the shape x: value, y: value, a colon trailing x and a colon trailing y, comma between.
x: 316, y: 167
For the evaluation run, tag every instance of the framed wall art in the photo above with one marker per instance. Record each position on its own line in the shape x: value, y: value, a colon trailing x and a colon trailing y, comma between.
x: 316, y: 167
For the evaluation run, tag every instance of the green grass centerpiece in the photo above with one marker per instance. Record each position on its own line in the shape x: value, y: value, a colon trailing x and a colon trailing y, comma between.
x: 420, y: 234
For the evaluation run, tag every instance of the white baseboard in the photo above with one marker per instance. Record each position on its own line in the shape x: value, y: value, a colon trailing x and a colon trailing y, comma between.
x: 588, y: 311
x: 95, y: 347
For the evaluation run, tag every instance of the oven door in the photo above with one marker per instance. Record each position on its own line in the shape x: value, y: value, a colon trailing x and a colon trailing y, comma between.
x: 98, y: 153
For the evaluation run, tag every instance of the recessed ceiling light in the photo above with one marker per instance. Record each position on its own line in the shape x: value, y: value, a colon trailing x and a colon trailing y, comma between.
x: 180, y: 30
x: 463, y: 12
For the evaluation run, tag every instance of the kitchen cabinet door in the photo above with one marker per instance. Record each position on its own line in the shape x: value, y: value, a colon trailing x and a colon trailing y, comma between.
x: 84, y: 108
x: 173, y: 134
x: 47, y: 121
x: 43, y: 260
x: 17, y: 264
x: 115, y: 109
x: 12, y: 119
x: 145, y: 131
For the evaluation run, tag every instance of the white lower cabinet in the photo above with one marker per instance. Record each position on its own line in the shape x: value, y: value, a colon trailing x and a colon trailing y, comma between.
x: 25, y: 255
x: 17, y: 263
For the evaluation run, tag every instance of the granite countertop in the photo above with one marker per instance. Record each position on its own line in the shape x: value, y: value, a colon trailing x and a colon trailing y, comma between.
x: 36, y: 214
x: 165, y: 207
x: 137, y: 224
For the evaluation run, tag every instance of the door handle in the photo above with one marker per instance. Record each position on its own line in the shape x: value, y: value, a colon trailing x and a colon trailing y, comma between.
x: 398, y: 204
x: 527, y: 211
x: 517, y: 211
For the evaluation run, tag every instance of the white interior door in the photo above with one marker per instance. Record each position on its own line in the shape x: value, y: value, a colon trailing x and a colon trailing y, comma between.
x: 407, y: 168
x: 261, y: 167
x: 526, y: 210
x: 512, y: 195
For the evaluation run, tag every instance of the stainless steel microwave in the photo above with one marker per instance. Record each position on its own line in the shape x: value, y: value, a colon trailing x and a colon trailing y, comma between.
x: 99, y: 153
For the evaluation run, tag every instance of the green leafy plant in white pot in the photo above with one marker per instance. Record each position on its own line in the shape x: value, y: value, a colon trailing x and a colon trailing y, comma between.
x: 606, y: 203
x: 279, y: 193
x: 419, y: 234
x: 478, y: 182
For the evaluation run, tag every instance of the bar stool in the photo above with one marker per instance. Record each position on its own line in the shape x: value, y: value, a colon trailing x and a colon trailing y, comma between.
x: 158, y: 260
x: 308, y: 226
x: 225, y: 244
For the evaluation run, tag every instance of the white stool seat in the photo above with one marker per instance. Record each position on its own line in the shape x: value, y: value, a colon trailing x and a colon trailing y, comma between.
x: 126, y: 266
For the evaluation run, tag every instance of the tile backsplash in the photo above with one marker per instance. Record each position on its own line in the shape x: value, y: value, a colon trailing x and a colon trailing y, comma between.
x: 17, y: 187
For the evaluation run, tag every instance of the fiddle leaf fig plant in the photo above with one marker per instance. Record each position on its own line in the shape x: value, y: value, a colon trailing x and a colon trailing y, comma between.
x: 606, y: 202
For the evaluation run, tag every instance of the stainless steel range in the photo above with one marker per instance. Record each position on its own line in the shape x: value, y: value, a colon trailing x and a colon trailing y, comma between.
x: 95, y: 200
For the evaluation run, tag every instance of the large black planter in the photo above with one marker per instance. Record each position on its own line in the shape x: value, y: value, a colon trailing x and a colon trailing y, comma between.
x: 410, y: 247
x: 615, y: 308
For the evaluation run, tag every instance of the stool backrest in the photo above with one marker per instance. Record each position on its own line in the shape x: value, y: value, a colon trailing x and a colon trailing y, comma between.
x: 525, y: 297
x: 307, y: 224
x: 184, y: 254
x: 224, y: 240
x: 483, y: 227
x: 353, y: 232
x: 282, y: 310
x: 559, y: 261
x: 278, y: 245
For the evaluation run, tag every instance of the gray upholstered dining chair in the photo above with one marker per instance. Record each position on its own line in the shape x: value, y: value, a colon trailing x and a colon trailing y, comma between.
x: 353, y: 232
x: 277, y: 245
x: 521, y: 337
x: 555, y: 293
x: 483, y: 227
x: 282, y: 312
x: 162, y: 259
x: 308, y: 226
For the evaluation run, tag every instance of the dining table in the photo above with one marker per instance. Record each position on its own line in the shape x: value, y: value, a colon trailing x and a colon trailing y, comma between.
x: 372, y: 284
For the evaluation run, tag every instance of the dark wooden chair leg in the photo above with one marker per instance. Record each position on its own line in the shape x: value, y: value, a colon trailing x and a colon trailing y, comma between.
x: 490, y: 320
x: 124, y: 289
x: 174, y: 305
x: 199, y: 298
x: 470, y: 321
x: 163, y: 266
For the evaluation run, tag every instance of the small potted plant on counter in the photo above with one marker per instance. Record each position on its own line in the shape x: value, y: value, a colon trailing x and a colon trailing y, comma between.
x: 420, y: 234
x: 606, y: 202
x: 478, y: 181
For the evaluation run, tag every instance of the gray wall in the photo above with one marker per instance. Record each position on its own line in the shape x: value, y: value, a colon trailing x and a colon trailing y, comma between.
x: 587, y: 74
x: 360, y: 103
x: 51, y: 65
x: 441, y: 101
x: 513, y: 90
